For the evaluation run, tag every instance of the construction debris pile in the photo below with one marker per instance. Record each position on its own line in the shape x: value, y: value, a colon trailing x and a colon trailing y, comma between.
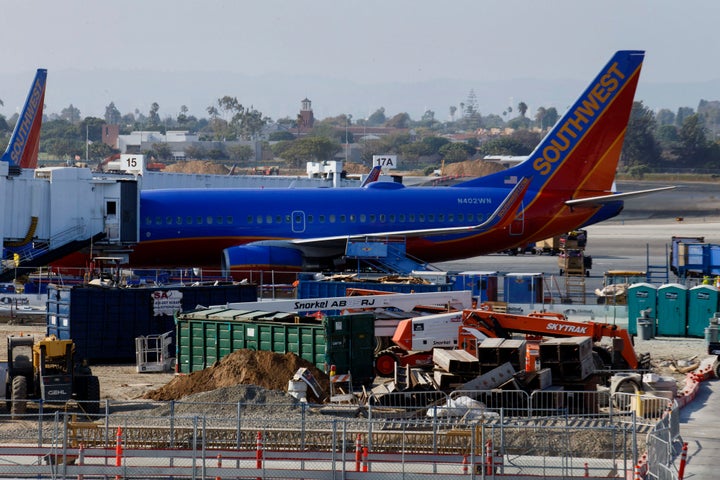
x: 264, y: 369
x: 501, y: 364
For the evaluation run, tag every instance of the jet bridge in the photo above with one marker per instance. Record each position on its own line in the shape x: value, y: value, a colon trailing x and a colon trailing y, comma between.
x: 48, y: 213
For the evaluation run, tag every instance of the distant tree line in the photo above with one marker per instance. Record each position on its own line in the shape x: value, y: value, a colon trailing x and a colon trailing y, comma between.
x: 666, y: 140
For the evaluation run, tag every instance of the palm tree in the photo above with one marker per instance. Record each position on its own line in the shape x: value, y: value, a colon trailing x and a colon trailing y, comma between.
x: 522, y: 108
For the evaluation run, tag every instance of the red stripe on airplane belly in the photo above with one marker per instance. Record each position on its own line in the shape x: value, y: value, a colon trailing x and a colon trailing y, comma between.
x: 201, y: 252
x: 537, y: 228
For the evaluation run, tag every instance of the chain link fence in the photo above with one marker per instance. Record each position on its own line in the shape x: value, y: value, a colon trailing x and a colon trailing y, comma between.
x: 549, y: 434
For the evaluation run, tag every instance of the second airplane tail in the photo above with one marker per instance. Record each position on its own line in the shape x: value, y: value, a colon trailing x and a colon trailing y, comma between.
x: 22, y: 151
x: 372, y: 176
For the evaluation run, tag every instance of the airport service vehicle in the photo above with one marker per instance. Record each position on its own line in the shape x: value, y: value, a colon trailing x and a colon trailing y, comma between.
x: 44, y: 370
x: 615, y: 285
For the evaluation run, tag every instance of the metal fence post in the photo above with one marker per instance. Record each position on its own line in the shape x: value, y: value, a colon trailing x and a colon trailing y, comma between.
x: 333, y: 449
x: 435, y: 429
x: 634, y: 439
x: 302, y: 423
x: 238, y: 426
x: 172, y: 423
x: 65, y: 441
x: 344, y: 447
x: 194, y: 445
x: 40, y: 424
x: 370, y: 432
x: 402, y: 458
x: 202, y: 447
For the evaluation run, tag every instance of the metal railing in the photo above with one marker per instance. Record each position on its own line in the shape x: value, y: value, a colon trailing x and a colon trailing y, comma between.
x: 303, y: 444
x: 557, y: 434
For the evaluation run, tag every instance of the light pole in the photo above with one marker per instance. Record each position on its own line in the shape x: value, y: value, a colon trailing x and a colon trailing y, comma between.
x: 348, y: 119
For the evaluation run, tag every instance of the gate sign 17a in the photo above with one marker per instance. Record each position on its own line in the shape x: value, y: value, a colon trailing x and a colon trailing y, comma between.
x: 387, y: 162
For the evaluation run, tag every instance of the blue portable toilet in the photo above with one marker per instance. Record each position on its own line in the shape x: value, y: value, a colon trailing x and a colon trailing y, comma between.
x: 702, y: 305
x: 523, y: 288
x: 641, y: 297
x: 672, y: 310
x: 484, y: 285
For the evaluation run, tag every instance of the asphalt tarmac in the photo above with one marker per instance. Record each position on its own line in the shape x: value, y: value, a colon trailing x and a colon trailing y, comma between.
x: 700, y: 428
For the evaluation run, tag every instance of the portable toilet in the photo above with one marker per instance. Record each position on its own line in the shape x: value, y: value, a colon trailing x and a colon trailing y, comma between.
x: 484, y: 285
x: 672, y: 310
x: 523, y: 288
x: 642, y: 302
x: 702, y: 305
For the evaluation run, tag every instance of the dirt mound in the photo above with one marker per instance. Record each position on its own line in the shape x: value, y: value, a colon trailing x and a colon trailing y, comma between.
x: 264, y: 369
x: 355, y: 168
x: 472, y: 168
x: 197, y: 167
x: 468, y: 168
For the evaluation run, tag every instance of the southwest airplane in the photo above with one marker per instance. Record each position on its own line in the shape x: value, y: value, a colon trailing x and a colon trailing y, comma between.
x: 566, y: 183
x: 22, y: 151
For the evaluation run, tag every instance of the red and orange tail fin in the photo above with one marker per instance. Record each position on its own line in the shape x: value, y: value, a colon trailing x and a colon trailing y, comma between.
x: 22, y: 150
x: 372, y: 176
x: 581, y: 152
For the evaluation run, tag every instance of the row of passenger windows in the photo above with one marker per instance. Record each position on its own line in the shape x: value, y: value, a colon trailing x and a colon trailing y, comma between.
x: 330, y: 218
x: 199, y: 220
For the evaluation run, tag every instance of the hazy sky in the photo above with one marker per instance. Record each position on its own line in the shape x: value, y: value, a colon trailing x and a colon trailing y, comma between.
x: 363, y: 43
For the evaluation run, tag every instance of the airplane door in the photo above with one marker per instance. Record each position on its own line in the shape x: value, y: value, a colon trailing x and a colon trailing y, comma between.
x: 517, y: 226
x: 129, y: 211
x: 298, y: 221
x: 112, y: 220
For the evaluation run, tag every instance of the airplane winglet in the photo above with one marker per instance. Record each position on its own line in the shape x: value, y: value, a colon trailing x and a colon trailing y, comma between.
x: 507, y: 210
x: 22, y: 150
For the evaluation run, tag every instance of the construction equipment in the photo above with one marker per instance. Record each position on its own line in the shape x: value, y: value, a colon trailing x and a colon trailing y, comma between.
x: 44, y: 370
x: 416, y: 338
x: 573, y: 261
x: 152, y: 353
x: 574, y: 265
x: 615, y: 285
x: 480, y: 324
x: 414, y: 341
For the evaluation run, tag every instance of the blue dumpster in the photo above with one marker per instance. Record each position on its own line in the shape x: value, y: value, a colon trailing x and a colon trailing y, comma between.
x: 523, y: 288
x: 484, y: 285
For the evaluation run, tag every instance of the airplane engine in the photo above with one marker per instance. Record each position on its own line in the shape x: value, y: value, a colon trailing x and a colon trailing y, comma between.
x: 238, y: 261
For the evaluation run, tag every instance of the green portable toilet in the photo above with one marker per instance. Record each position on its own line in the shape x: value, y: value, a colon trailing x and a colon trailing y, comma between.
x: 672, y: 310
x: 702, y: 305
x: 642, y: 302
